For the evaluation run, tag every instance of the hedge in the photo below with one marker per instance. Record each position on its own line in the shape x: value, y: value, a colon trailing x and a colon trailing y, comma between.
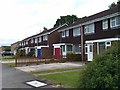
x: 103, y: 71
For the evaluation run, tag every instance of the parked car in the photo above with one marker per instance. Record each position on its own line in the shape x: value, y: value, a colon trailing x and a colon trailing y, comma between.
x: 6, y: 53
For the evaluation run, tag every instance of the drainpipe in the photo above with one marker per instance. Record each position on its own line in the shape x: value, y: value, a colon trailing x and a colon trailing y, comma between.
x: 82, y: 44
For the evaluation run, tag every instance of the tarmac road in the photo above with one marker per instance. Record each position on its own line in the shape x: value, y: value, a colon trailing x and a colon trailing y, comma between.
x: 14, y: 78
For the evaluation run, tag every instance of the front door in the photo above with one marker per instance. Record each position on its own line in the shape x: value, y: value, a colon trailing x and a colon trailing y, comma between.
x: 57, y: 53
x: 90, y: 52
x: 38, y: 53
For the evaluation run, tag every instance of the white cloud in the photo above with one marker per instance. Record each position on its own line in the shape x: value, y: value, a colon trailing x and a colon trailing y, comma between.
x: 22, y: 18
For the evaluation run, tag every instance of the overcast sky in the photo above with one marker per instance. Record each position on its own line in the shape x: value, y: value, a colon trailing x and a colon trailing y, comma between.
x: 22, y: 18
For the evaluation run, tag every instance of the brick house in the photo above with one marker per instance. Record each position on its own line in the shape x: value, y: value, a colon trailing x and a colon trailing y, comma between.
x: 87, y: 36
x: 90, y: 35
x: 14, y: 47
x: 42, y: 43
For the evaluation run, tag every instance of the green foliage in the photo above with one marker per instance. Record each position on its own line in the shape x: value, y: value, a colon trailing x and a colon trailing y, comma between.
x: 73, y: 57
x: 104, y: 71
x: 22, y: 53
x: 31, y: 53
x: 114, y: 4
x: 7, y: 48
x: 66, y: 19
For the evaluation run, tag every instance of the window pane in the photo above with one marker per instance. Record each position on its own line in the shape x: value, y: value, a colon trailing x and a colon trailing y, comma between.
x: 35, y: 40
x: 39, y: 39
x: 105, y: 24
x: 118, y: 21
x: 112, y: 22
x: 69, y: 47
x: 76, y: 48
x: 63, y: 33
x: 45, y: 38
x: 101, y: 47
x: 76, y: 31
x: 63, y: 48
x: 67, y: 33
x: 91, y: 48
x: 89, y: 28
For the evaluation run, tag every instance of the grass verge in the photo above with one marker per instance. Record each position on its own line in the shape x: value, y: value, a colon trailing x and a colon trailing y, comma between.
x: 7, y: 57
x: 67, y: 79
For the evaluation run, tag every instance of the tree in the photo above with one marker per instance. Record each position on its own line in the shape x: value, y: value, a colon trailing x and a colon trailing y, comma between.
x: 114, y: 4
x: 69, y: 19
x: 103, y: 71
x: 7, y: 48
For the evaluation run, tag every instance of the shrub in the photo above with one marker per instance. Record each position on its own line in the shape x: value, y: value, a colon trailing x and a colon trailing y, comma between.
x: 31, y: 53
x: 73, y: 57
x: 22, y: 53
x: 103, y: 71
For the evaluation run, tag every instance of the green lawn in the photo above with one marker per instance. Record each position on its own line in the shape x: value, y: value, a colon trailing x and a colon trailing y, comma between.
x: 7, y: 57
x: 67, y: 79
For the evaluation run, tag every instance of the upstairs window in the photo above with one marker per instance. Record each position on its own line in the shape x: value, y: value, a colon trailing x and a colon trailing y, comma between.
x: 105, y: 24
x: 115, y: 22
x: 76, y: 32
x: 45, y: 38
x: 39, y: 39
x: 65, y: 33
x: 26, y: 42
x: 35, y: 40
x: 32, y: 41
x: 89, y: 28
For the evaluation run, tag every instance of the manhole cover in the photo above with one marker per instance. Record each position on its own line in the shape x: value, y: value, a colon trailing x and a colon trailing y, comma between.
x: 36, y: 83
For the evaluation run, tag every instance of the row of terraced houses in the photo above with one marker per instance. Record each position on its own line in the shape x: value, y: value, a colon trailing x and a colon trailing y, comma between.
x: 87, y: 36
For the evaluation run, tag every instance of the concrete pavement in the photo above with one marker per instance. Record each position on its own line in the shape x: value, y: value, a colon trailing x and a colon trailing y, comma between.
x: 50, y: 66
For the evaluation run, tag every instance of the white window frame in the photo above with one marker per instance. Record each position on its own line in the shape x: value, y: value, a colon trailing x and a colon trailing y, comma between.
x: 45, y: 37
x: 40, y: 39
x: 87, y: 27
x: 65, y: 33
x: 26, y: 42
x: 36, y: 40
x: 32, y: 40
x: 76, y: 30
x: 114, y: 19
x: 105, y: 24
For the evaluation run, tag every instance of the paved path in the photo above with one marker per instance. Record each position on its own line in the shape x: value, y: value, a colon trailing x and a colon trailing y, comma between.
x: 50, y: 66
x: 13, y: 78
x: 56, y: 72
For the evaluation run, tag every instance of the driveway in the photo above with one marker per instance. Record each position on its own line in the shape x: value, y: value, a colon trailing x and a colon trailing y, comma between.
x: 50, y: 66
x: 14, y: 78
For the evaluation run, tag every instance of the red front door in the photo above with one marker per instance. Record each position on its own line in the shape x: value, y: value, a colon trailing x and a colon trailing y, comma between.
x: 57, y: 53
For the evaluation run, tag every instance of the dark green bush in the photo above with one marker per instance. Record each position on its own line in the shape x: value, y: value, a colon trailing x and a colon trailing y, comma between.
x: 103, y: 71
x: 31, y: 53
x: 22, y: 53
x: 73, y: 57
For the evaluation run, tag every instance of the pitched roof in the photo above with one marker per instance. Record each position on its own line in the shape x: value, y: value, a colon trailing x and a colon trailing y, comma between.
x: 46, y: 31
x: 92, y: 17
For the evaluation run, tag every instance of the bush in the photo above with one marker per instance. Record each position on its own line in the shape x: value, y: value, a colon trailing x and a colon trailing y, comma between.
x: 73, y: 57
x: 22, y: 53
x: 103, y: 71
x: 31, y: 53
